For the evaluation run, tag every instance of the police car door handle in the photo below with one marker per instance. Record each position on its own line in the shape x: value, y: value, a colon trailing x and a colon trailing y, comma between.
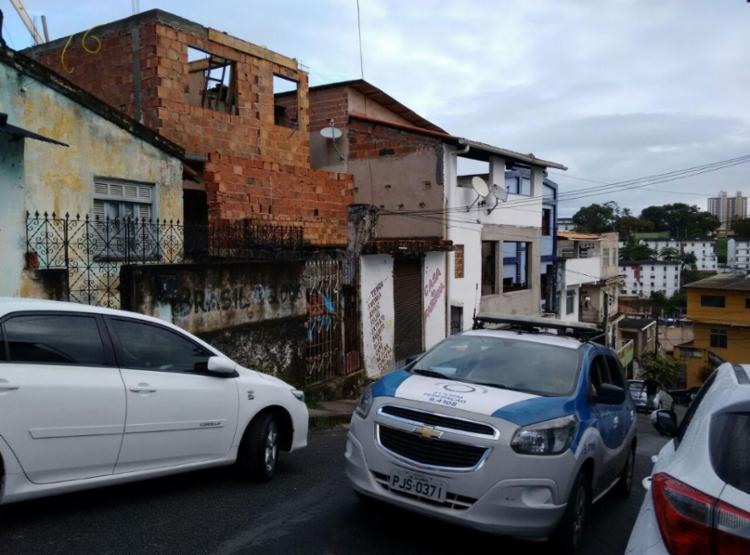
x: 616, y: 422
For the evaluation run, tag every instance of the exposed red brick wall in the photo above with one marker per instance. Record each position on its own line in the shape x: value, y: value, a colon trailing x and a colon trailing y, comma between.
x: 277, y: 158
x: 371, y: 140
x: 239, y: 188
x: 327, y: 104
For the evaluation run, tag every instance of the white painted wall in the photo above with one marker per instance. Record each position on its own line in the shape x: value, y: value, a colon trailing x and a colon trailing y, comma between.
x: 465, y: 228
x: 562, y: 303
x: 582, y: 270
x: 651, y: 277
x: 434, y: 298
x: 376, y: 286
x: 704, y: 250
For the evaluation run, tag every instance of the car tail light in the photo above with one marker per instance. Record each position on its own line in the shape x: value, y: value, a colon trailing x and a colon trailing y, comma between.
x: 692, y: 522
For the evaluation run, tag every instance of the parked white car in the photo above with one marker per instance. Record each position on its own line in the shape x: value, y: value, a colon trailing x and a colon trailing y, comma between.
x: 91, y: 396
x: 659, y: 398
x: 699, y: 498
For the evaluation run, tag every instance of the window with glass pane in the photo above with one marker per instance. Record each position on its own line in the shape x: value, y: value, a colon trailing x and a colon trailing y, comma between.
x: 54, y: 339
x: 516, y: 265
x: 718, y: 339
x: 713, y: 301
x: 149, y: 347
x: 123, y: 213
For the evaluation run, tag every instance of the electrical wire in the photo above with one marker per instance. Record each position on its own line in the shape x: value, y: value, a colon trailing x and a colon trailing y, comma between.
x: 622, y: 186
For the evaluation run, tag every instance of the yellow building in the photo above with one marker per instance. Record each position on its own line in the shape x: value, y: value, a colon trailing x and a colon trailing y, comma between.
x: 719, y: 308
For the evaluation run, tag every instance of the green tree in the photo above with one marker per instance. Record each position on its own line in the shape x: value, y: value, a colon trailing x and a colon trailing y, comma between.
x: 669, y: 254
x: 664, y: 369
x: 633, y: 250
x: 628, y: 224
x: 596, y: 218
x: 681, y: 220
x: 741, y: 227
x: 689, y: 260
x: 721, y: 250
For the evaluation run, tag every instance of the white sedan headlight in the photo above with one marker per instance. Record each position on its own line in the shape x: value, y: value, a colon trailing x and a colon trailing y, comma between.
x: 551, y: 437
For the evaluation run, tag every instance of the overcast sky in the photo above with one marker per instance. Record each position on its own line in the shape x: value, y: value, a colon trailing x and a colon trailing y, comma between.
x: 614, y: 89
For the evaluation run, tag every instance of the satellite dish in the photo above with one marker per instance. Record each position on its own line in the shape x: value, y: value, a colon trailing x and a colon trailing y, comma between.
x: 332, y: 133
x: 501, y: 193
x: 480, y: 186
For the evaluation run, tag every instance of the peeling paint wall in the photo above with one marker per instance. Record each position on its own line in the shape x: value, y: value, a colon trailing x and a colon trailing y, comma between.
x: 60, y: 179
x: 376, y: 285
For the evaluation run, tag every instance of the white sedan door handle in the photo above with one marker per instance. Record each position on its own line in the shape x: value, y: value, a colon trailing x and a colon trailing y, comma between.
x: 5, y: 385
x: 143, y: 388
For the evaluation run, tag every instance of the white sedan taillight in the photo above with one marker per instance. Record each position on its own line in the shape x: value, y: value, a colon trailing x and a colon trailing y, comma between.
x: 692, y: 522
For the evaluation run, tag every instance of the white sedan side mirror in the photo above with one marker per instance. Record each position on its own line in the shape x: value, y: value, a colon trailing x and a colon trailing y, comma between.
x: 221, y: 366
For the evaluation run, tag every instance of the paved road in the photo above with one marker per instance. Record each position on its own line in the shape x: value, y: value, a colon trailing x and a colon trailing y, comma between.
x: 308, y: 508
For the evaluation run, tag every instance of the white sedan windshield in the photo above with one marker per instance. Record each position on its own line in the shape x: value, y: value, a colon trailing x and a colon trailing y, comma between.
x: 503, y: 362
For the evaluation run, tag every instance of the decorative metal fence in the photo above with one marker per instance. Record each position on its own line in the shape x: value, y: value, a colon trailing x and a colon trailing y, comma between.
x: 92, y: 250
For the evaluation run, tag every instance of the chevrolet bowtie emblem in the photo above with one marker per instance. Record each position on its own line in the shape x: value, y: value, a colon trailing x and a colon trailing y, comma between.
x: 426, y: 432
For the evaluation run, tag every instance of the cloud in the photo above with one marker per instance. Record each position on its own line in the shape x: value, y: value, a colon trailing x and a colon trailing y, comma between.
x: 615, y: 90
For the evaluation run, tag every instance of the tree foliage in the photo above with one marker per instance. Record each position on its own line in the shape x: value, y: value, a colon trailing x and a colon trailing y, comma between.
x: 681, y: 220
x: 596, y: 218
x: 741, y: 227
x: 669, y: 254
x: 721, y: 250
x: 634, y: 250
x: 628, y: 224
x: 664, y: 369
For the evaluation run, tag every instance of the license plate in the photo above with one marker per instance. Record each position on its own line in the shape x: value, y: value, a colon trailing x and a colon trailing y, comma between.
x: 418, y: 484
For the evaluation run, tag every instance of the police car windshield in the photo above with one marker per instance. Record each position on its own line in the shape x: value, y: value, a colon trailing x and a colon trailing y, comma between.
x: 504, y: 362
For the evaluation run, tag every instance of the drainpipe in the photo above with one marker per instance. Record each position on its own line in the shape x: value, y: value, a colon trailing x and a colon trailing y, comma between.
x: 445, y: 235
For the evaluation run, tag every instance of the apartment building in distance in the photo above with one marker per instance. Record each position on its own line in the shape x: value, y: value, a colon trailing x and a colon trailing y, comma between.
x: 728, y: 209
x: 738, y: 253
x: 704, y: 250
x: 719, y: 309
x: 641, y: 278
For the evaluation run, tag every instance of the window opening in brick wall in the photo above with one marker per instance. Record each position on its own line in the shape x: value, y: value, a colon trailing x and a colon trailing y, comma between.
x: 458, y: 261
x: 212, y: 81
x: 516, y: 265
x: 285, y: 102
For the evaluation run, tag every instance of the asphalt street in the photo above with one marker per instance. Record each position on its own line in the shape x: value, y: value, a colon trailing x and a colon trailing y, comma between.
x: 307, y: 508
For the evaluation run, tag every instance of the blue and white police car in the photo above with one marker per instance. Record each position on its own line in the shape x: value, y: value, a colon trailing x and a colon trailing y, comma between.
x: 509, y: 428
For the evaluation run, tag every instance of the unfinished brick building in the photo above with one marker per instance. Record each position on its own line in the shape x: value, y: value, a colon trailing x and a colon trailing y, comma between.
x: 248, y: 156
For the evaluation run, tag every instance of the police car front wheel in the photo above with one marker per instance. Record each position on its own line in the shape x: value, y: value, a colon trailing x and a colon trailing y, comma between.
x: 569, y: 532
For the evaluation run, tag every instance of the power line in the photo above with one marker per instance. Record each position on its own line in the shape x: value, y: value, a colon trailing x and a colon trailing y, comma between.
x: 613, y: 188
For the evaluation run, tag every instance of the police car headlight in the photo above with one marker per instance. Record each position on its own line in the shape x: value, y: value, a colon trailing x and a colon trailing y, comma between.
x: 551, y: 437
x: 365, y: 402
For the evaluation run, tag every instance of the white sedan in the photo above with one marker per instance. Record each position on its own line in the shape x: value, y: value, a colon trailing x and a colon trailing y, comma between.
x: 92, y: 397
x: 699, y: 498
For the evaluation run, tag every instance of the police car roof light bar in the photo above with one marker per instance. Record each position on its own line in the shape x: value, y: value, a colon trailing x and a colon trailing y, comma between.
x: 536, y: 324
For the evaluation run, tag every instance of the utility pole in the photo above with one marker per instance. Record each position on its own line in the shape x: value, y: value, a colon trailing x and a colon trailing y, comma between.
x: 24, y: 15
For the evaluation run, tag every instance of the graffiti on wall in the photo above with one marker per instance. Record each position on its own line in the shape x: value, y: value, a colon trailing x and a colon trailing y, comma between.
x: 433, y: 291
x: 383, y: 351
x: 242, y: 297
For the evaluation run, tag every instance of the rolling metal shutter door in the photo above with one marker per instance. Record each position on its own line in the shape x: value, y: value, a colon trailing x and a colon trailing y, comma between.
x: 407, y: 300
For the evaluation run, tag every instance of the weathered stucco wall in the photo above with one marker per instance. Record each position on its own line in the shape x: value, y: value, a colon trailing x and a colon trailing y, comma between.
x: 11, y: 212
x: 376, y: 286
x: 61, y: 179
x: 254, y: 312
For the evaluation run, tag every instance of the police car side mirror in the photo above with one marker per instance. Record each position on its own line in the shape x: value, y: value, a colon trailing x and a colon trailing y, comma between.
x: 609, y: 394
x: 665, y: 422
